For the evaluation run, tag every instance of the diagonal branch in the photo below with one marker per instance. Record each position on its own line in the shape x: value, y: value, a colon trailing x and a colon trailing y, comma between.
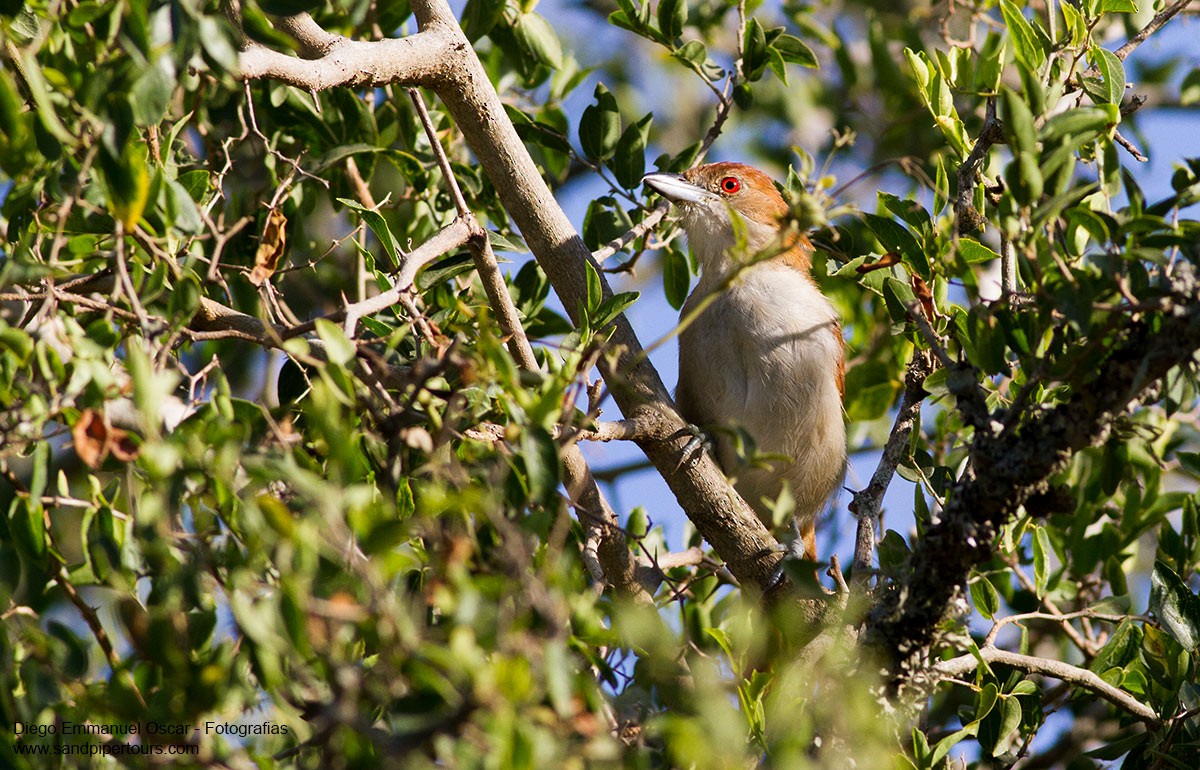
x: 868, y: 503
x: 1155, y: 24
x: 1012, y: 464
x: 448, y: 65
x: 605, y: 538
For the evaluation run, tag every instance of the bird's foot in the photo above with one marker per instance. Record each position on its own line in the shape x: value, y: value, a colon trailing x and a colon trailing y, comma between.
x: 693, y: 450
x: 798, y: 563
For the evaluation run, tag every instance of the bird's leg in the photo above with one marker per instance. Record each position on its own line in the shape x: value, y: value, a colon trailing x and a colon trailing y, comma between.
x: 801, y: 546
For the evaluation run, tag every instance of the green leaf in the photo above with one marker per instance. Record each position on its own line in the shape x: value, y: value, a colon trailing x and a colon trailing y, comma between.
x: 990, y: 66
x: 988, y: 695
x: 975, y: 252
x: 479, y: 16
x: 379, y: 227
x: 1010, y: 720
x: 35, y: 81
x: 1118, y: 6
x: 444, y: 269
x: 1173, y: 603
x: 870, y: 391
x: 985, y: 598
x: 1024, y: 687
x: 128, y: 181
x: 338, y: 349
x: 1027, y: 45
x: 196, y: 183
x: 218, y: 44
x: 629, y: 162
x: 612, y: 307
x: 1110, y: 87
x: 676, y: 276
x: 1074, y: 25
x: 795, y: 51
x: 595, y: 291
x: 908, y: 211
x: 694, y: 53
x: 539, y: 458
x: 1190, y: 462
x: 338, y: 154
x: 1024, y: 176
x: 600, y: 126
x: 950, y: 741
x: 27, y: 522
x: 899, y: 297
x: 12, y: 120
x: 1080, y: 125
x: 185, y: 216
x: 1018, y: 120
x: 754, y: 50
x: 16, y: 341
x: 777, y: 65
x: 152, y: 91
x: 1121, y: 746
x: 672, y: 15
x: 1120, y: 649
x: 536, y: 35
x: 1042, y: 551
x: 897, y: 239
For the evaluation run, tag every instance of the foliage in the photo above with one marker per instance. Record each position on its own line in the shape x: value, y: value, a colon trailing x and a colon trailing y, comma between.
x: 257, y: 534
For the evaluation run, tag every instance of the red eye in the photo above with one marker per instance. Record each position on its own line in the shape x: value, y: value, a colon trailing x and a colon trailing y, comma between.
x: 730, y: 184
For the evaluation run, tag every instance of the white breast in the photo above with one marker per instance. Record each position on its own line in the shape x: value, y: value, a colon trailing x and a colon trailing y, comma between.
x: 763, y: 356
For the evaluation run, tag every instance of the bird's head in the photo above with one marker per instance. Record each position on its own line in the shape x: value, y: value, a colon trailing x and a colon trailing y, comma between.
x: 707, y: 197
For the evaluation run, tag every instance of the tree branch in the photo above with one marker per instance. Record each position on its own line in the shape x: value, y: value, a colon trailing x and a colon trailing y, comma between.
x: 1155, y: 24
x: 1079, y: 677
x: 605, y: 538
x: 1012, y: 463
x: 966, y: 218
x: 441, y: 58
x: 868, y: 503
x: 453, y: 235
x: 419, y: 59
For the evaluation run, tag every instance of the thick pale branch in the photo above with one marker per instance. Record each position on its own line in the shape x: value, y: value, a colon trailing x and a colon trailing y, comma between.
x: 720, y: 515
x: 420, y: 59
x: 314, y: 40
x: 1080, y: 677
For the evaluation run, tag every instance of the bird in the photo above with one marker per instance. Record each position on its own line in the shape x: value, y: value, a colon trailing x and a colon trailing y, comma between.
x: 764, y: 351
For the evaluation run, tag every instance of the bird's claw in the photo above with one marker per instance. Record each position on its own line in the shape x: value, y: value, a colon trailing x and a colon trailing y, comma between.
x: 694, y: 448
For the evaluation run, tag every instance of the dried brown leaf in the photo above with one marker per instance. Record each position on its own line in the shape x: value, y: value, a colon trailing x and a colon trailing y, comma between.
x: 270, y: 248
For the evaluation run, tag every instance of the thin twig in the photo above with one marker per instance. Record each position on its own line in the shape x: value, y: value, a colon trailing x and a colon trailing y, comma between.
x: 868, y: 503
x: 1130, y: 147
x: 1008, y: 268
x: 638, y: 230
x: 1156, y: 23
